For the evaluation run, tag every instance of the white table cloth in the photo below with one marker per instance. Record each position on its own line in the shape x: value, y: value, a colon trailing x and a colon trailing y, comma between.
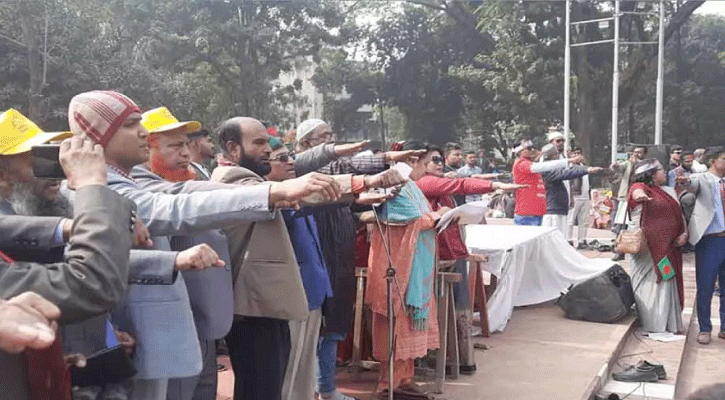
x: 533, y: 265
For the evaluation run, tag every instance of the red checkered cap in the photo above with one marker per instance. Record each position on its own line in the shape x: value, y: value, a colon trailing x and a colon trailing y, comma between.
x: 99, y: 114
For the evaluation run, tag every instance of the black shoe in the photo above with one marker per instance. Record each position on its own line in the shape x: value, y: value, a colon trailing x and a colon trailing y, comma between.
x: 618, y: 257
x: 659, y: 369
x: 467, y: 369
x: 632, y: 374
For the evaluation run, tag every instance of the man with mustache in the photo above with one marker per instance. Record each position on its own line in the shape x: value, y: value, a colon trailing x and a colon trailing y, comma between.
x: 210, y: 292
x: 269, y: 292
x: 160, y: 316
x: 93, y: 276
x: 24, y: 200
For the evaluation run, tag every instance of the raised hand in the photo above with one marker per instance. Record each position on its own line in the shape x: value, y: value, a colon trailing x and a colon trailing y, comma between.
x: 577, y: 159
x: 198, y: 257
x: 370, y: 198
x: 403, y: 156
x: 351, y: 148
x: 27, y: 321
x: 293, y: 190
x: 509, y: 187
x: 82, y: 161
x: 594, y: 170
x: 639, y: 196
x: 141, y: 235
x: 385, y: 179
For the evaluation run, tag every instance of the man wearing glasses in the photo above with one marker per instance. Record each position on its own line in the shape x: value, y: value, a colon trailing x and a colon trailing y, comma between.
x: 675, y: 157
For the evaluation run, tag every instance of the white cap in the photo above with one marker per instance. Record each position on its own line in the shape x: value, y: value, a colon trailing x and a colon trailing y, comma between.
x: 554, y: 135
x: 307, y: 126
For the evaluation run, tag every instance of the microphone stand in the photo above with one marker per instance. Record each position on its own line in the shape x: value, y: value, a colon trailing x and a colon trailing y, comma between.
x: 390, y: 276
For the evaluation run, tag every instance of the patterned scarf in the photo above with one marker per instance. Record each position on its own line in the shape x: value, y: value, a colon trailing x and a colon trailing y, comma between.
x: 408, y: 206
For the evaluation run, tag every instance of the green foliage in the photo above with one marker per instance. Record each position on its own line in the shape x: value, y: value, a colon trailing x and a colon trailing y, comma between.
x: 204, y: 60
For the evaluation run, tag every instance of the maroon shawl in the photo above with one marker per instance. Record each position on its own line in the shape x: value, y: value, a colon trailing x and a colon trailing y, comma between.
x: 662, y: 224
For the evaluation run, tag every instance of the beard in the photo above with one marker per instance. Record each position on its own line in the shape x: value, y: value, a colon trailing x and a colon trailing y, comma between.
x: 251, y: 164
x: 25, y: 201
x: 159, y: 167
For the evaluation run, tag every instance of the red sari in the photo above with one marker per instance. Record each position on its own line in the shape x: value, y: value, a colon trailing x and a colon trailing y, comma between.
x: 662, y: 224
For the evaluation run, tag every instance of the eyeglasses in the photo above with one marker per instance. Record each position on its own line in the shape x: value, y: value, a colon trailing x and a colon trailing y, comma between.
x: 283, y: 157
x: 677, y: 152
x: 437, y: 159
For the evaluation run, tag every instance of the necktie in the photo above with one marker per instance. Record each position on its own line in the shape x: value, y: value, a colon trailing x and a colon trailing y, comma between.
x: 722, y: 194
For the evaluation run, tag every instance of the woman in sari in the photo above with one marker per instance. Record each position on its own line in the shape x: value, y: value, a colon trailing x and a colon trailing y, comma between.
x: 657, y: 269
x: 405, y: 229
x: 439, y: 192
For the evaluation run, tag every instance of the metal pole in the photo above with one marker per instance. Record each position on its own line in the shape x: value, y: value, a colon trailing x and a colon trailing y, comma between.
x: 660, y: 75
x: 615, y: 83
x: 567, y: 76
x: 391, y: 332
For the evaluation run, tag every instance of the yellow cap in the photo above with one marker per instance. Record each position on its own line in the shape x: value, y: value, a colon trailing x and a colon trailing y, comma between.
x: 160, y: 120
x: 18, y: 134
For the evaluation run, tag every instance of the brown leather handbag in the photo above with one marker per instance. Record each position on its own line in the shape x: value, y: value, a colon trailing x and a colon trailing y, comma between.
x: 630, y: 242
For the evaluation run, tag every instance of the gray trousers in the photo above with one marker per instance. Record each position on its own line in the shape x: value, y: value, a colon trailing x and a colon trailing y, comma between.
x: 198, y: 387
x: 300, y: 378
x: 579, y: 216
x: 149, y: 389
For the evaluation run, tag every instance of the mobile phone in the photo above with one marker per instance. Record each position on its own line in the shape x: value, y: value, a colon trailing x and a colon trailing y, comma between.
x: 45, y: 162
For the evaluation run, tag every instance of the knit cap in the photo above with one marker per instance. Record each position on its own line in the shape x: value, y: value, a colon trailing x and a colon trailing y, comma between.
x: 99, y: 114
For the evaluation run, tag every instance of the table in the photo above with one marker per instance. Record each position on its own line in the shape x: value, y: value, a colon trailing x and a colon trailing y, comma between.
x: 533, y: 265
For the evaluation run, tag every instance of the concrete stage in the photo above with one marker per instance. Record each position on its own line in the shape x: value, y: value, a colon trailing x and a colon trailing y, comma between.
x: 543, y: 355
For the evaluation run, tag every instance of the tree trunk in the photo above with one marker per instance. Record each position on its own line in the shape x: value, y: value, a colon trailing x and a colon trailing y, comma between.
x: 585, y: 101
x: 35, y: 64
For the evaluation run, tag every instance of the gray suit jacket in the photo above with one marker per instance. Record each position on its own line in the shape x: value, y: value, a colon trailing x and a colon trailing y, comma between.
x: 210, y: 291
x: 702, y: 186
x: 20, y: 233
x: 160, y: 316
x: 89, y: 283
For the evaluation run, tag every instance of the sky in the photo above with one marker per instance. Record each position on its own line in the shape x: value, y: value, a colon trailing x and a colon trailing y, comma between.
x: 712, y: 7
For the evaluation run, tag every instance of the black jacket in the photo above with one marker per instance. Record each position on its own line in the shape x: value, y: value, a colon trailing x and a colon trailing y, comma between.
x: 557, y: 197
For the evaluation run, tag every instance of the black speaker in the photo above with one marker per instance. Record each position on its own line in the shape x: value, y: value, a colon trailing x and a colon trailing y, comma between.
x: 607, y: 297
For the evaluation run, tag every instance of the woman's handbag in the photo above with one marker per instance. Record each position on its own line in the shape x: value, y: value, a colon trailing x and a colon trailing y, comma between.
x: 630, y: 242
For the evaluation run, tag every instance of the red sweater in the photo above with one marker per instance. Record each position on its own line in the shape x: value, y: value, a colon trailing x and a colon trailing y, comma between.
x: 530, y: 200
x: 438, y: 191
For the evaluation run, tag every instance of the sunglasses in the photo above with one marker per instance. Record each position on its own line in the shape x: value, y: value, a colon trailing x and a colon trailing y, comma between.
x: 283, y: 157
x: 677, y: 152
x: 437, y: 159
x: 559, y: 141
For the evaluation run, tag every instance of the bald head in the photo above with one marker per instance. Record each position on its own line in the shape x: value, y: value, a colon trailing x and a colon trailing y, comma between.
x: 244, y: 140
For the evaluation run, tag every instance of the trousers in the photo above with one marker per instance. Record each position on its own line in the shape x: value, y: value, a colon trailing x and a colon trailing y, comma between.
x: 579, y: 216
x: 259, y: 349
x: 709, y: 266
x: 299, y: 381
x: 198, y: 387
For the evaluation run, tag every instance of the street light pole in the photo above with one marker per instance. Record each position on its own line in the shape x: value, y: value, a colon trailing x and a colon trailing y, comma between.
x: 567, y: 77
x: 660, y: 75
x: 615, y: 83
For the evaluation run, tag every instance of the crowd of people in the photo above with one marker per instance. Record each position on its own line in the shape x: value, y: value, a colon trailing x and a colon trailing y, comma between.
x: 677, y: 208
x: 145, y: 248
